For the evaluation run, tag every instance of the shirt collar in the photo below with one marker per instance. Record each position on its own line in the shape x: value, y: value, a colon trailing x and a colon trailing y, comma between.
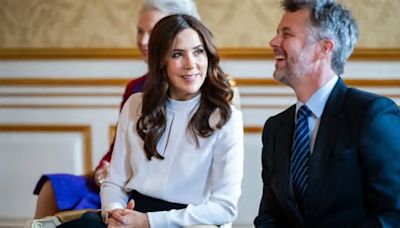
x: 316, y: 103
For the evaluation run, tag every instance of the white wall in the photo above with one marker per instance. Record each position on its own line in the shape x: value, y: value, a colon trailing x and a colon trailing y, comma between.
x: 59, y: 128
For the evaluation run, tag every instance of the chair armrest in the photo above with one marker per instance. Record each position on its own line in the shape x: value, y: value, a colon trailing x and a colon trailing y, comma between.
x: 66, y: 216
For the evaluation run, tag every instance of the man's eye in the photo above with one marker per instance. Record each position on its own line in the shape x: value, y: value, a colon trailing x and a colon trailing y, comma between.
x: 287, y: 35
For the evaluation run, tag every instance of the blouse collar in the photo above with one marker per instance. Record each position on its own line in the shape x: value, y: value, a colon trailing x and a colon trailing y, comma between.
x: 183, y: 105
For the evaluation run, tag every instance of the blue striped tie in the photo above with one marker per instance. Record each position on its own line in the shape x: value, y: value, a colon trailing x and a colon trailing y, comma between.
x: 300, y: 155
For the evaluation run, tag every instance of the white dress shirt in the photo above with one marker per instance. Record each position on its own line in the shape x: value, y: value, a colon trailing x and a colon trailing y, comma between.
x: 316, y: 103
x: 206, y: 176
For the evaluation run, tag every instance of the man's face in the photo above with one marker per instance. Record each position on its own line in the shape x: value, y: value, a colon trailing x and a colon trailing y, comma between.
x: 294, y: 47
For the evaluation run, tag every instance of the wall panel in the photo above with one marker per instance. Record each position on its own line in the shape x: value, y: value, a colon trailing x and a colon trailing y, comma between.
x: 92, y: 23
x: 34, y: 142
x: 28, y: 151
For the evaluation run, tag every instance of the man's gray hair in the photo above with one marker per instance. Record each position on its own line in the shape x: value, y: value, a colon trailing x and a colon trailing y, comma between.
x: 173, y: 6
x: 330, y: 20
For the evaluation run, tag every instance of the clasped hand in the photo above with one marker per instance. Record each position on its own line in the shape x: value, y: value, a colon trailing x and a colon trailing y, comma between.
x: 127, y: 217
x: 101, y: 174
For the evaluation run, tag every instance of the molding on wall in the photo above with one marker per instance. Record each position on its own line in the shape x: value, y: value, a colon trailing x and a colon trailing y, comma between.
x: 253, y: 129
x: 111, y: 81
x: 58, y: 94
x: 56, y: 106
x: 353, y: 82
x: 384, y: 54
x: 247, y: 129
x: 83, y: 129
x: 64, y: 82
x: 112, y: 130
x: 68, y: 53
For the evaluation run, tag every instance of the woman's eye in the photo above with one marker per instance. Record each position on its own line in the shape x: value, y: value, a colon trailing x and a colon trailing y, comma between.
x: 176, y: 55
x: 198, y: 51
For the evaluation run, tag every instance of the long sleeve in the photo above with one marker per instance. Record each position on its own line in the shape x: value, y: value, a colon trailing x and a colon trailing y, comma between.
x: 380, y: 160
x: 134, y: 86
x: 224, y: 183
x: 113, y: 194
x: 267, y: 215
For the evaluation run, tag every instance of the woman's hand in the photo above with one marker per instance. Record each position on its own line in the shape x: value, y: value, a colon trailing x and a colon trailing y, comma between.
x: 101, y: 174
x: 121, y: 218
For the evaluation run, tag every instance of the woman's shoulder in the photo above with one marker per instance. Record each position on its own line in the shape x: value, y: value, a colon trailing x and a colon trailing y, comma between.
x: 235, y: 117
x: 133, y: 104
x: 134, y: 99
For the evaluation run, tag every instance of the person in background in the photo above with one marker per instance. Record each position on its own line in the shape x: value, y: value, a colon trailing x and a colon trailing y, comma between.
x: 61, y: 192
x: 333, y: 158
x: 178, y: 154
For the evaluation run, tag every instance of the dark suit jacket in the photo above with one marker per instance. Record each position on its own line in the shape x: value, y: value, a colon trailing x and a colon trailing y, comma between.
x: 354, y: 170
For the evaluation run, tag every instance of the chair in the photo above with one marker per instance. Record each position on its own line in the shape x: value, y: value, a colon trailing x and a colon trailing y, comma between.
x: 65, y: 216
x: 57, y: 219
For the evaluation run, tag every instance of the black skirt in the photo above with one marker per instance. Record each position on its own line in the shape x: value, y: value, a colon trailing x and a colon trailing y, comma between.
x: 143, y: 204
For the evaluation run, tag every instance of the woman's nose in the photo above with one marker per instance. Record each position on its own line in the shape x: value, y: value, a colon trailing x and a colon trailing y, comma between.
x: 189, y: 61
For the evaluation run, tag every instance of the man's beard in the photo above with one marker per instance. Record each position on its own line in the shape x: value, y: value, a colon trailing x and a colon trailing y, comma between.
x: 293, y: 70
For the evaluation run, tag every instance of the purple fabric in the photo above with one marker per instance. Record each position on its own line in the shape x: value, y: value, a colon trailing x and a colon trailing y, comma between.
x: 72, y: 192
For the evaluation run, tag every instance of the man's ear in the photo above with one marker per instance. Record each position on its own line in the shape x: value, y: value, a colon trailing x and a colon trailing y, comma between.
x: 327, y: 47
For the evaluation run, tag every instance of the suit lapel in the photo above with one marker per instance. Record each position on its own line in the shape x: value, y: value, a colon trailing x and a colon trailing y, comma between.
x: 325, y: 139
x: 283, y: 142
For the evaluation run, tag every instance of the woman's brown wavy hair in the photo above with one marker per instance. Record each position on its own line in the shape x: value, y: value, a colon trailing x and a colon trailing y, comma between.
x: 216, y: 92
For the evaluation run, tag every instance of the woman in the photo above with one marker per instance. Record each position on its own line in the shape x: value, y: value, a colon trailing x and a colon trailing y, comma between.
x: 60, y: 192
x: 178, y: 155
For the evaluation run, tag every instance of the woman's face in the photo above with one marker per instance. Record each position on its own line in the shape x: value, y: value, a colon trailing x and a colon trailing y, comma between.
x: 187, y: 65
x: 148, y: 18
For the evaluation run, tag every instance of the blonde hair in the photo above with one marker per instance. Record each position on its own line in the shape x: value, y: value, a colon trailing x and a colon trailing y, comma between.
x: 173, y: 6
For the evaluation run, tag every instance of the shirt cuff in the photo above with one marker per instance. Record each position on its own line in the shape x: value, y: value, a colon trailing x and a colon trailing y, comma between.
x: 111, y: 206
x: 158, y: 219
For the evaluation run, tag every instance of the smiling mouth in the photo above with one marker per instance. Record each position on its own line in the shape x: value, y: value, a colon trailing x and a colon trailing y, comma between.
x: 144, y: 51
x: 190, y: 77
x: 280, y: 57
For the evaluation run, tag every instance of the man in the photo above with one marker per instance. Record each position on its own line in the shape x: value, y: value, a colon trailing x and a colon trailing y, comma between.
x: 333, y: 158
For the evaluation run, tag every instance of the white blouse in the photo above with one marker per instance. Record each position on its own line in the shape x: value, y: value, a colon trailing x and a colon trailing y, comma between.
x: 207, y: 177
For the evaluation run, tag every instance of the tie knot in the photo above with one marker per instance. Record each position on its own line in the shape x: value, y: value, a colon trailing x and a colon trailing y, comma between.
x: 303, y: 112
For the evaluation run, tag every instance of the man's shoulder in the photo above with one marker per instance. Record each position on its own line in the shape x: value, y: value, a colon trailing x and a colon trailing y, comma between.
x: 285, y: 113
x: 284, y: 116
x: 357, y: 97
x: 360, y: 95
